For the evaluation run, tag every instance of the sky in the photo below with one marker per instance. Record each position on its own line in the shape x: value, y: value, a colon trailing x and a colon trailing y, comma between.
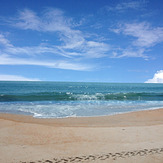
x: 81, y: 40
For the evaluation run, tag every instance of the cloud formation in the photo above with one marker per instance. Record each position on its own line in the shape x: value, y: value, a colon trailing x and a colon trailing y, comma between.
x: 59, y: 64
x: 121, y: 7
x: 129, y: 52
x: 68, y: 46
x: 4, y: 41
x: 157, y: 78
x: 68, y: 52
x: 142, y: 35
x: 54, y: 21
x: 4, y: 77
x: 146, y: 36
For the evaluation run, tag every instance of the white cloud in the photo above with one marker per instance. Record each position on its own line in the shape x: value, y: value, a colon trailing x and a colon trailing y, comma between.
x: 89, y: 49
x: 121, y: 7
x: 146, y: 36
x: 28, y: 20
x: 4, y: 77
x: 157, y: 78
x: 73, y: 43
x: 53, y: 20
x: 4, y: 41
x: 73, y: 47
x: 143, y: 36
x: 129, y: 52
x: 12, y: 55
x: 59, y: 64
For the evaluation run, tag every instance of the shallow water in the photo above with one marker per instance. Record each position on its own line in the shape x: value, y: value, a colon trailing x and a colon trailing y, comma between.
x: 67, y: 99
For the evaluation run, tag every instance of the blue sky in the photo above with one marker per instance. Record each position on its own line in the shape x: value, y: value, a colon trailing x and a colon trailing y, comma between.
x: 81, y: 40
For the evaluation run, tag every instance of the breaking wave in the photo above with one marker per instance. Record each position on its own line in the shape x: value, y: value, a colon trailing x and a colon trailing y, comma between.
x: 67, y: 96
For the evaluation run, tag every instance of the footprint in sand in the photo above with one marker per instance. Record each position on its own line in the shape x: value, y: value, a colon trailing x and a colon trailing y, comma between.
x: 112, y: 156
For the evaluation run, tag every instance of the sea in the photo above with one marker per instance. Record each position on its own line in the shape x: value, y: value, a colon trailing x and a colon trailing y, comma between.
x: 77, y: 99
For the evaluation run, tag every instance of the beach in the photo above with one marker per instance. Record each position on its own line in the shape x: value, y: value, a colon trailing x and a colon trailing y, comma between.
x: 123, y: 138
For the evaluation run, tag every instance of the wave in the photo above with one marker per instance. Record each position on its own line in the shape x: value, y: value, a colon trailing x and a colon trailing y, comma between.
x: 68, y: 96
x: 62, y: 109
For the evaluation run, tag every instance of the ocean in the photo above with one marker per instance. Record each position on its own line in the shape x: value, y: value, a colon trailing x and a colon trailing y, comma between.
x: 77, y: 99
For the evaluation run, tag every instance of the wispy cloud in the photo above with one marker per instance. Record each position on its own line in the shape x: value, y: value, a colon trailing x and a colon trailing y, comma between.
x: 89, y: 49
x: 4, y: 77
x: 121, y: 7
x: 142, y: 35
x: 27, y: 19
x: 157, y: 78
x: 4, y: 41
x: 73, y: 46
x: 145, y: 34
x: 60, y: 64
x: 129, y: 52
x: 72, y: 41
x: 54, y: 21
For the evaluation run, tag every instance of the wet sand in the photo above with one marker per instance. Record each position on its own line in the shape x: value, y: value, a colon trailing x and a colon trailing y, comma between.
x: 135, y: 137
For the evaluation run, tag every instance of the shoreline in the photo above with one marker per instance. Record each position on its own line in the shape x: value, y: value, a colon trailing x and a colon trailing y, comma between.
x: 106, y: 120
x: 123, y: 138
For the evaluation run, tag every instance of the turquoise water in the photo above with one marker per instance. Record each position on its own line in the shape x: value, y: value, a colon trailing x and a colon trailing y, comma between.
x: 68, y: 99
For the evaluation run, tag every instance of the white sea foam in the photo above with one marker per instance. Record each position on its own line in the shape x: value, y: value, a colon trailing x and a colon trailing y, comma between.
x: 77, y: 108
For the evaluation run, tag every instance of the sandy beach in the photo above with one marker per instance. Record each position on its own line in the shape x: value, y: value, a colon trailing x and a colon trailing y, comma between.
x: 135, y: 137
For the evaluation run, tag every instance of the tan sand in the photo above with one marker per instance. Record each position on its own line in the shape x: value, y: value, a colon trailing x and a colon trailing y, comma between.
x: 127, y: 138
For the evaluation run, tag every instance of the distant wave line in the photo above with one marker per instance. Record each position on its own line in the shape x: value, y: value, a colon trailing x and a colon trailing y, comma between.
x: 68, y: 96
